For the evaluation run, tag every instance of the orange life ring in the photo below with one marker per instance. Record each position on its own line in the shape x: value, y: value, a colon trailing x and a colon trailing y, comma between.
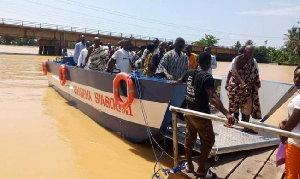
x: 44, y: 67
x: 130, y: 89
x: 62, y: 74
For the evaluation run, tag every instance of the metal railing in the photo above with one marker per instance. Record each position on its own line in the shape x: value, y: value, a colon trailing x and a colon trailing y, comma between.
x: 253, y: 126
x: 7, y: 21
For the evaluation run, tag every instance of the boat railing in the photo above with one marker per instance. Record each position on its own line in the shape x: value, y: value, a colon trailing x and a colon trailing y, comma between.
x: 253, y: 126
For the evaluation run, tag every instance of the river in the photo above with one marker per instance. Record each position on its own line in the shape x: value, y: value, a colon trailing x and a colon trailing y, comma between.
x: 42, y: 136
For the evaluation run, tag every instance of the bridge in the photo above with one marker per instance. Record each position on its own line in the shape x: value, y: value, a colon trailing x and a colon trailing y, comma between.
x: 52, y: 38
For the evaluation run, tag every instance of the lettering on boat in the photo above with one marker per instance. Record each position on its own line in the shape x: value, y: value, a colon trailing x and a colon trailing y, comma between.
x: 110, y: 103
x: 102, y: 100
x: 83, y: 93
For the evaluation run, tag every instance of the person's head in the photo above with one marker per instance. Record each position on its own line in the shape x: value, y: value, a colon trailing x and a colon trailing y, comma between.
x: 82, y: 38
x: 204, y: 61
x: 241, y: 50
x: 162, y: 47
x: 297, y: 77
x: 126, y: 45
x: 88, y: 44
x: 97, y: 41
x: 188, y: 49
x: 151, y: 47
x: 170, y: 47
x: 155, y: 42
x: 207, y: 49
x: 131, y: 47
x: 249, y: 51
x: 179, y: 44
x: 120, y: 43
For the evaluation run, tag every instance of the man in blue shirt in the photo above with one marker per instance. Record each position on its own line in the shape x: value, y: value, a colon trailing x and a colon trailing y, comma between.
x: 78, y: 47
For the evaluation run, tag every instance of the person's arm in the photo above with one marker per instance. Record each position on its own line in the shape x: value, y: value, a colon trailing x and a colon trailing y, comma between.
x: 290, y: 124
x: 112, y: 62
x: 214, y: 62
x: 215, y: 101
x: 180, y: 80
x: 293, y: 121
x: 110, y: 65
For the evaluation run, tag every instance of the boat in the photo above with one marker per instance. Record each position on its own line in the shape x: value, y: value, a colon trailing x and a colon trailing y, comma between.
x: 92, y: 92
x: 95, y: 94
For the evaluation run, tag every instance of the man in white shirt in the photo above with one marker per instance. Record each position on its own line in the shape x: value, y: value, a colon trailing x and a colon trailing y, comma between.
x: 78, y: 47
x: 83, y: 55
x: 121, y: 59
x: 213, y: 60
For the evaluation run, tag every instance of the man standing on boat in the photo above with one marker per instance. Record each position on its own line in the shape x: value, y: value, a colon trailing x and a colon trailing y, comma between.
x: 121, y: 58
x: 243, y: 85
x: 192, y: 57
x: 174, y: 63
x: 83, y: 55
x: 97, y: 56
x: 199, y: 93
x: 78, y: 47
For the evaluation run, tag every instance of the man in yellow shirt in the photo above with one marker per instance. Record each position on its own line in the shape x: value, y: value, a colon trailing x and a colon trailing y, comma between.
x: 192, y: 57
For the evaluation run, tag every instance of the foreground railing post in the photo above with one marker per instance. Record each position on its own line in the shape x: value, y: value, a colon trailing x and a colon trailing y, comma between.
x: 175, y: 142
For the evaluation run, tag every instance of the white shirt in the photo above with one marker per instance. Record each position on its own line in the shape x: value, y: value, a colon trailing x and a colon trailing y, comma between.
x: 233, y: 61
x: 294, y: 104
x: 122, y: 58
x: 82, y: 56
x: 213, y: 64
x: 78, y: 47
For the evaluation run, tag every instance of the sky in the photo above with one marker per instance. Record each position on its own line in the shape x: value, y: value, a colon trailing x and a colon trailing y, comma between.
x: 230, y: 20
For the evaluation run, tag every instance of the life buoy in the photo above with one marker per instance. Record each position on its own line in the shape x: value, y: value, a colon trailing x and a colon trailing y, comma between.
x: 130, y: 89
x: 44, y: 67
x: 62, y: 74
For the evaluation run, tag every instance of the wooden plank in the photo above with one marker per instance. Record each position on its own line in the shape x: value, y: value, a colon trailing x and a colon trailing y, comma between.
x: 251, y: 165
x: 227, y: 163
x: 270, y: 170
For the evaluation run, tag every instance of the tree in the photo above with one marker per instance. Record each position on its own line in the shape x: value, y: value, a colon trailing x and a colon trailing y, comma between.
x: 293, y: 41
x: 237, y: 45
x: 208, y: 40
x: 249, y: 42
x: 260, y: 54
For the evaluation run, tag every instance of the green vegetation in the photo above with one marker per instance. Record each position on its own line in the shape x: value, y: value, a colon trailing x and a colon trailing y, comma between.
x: 208, y: 41
x: 17, y: 41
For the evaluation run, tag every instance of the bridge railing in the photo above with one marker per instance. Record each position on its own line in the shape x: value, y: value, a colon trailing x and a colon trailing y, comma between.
x: 7, y: 21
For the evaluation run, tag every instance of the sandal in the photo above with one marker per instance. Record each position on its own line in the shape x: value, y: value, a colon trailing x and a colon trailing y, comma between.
x: 209, y: 174
x: 188, y: 168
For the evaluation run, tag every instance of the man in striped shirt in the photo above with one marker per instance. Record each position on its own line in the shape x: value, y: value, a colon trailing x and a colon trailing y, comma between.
x: 174, y: 63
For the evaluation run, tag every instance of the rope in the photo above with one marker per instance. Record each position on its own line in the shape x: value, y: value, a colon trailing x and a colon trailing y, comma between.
x: 150, y: 136
x: 135, y: 75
